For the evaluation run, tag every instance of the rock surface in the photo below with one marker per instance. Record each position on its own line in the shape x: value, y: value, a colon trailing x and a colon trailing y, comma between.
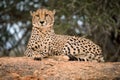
x: 21, y: 68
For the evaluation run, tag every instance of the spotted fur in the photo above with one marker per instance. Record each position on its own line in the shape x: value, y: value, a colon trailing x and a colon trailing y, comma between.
x: 44, y: 42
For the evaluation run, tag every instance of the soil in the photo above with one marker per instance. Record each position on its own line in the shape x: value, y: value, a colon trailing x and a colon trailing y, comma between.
x: 22, y: 68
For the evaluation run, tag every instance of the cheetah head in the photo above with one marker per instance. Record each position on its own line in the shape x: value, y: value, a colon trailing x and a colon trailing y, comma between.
x: 43, y: 18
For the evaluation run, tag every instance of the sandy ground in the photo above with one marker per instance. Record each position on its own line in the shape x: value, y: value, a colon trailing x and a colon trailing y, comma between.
x: 21, y: 68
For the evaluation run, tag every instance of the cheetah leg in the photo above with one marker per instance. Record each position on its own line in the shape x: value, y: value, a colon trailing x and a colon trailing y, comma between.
x: 72, y: 58
x: 33, y: 54
x: 82, y: 59
x: 77, y: 58
x: 37, y: 56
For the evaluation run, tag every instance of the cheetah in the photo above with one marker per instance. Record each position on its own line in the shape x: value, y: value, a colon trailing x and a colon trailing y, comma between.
x: 44, y: 42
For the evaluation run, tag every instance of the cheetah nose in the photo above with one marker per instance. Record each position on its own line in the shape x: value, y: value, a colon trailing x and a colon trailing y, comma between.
x: 41, y: 22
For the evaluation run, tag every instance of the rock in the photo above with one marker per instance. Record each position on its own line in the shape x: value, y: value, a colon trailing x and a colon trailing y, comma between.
x: 21, y: 68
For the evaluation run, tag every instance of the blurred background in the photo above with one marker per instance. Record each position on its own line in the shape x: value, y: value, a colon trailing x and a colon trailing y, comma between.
x: 98, y: 20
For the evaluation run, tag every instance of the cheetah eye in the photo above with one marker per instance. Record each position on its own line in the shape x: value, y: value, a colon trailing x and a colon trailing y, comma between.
x: 46, y: 14
x: 37, y: 15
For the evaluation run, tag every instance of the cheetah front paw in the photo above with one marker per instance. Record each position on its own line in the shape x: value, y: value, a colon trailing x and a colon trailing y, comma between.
x: 37, y: 57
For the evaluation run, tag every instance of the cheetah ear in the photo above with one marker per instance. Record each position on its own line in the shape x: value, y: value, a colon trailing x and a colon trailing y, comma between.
x: 54, y: 11
x: 31, y: 13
